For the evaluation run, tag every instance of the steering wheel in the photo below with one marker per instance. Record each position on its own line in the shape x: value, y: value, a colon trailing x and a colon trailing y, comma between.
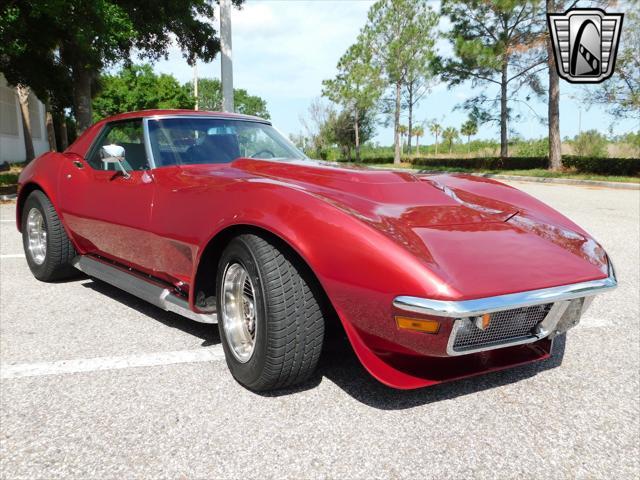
x: 259, y: 153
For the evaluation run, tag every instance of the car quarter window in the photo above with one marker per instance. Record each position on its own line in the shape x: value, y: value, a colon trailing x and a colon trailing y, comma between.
x: 127, y: 134
x: 184, y: 141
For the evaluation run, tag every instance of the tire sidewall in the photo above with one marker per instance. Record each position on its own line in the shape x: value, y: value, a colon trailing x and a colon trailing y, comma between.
x: 247, y: 373
x: 34, y: 201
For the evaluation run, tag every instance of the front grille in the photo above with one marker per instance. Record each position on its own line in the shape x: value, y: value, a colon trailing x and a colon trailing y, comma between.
x: 507, y: 326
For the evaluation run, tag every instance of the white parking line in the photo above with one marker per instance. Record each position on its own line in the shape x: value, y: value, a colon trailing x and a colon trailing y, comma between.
x: 207, y: 354
x: 13, y: 255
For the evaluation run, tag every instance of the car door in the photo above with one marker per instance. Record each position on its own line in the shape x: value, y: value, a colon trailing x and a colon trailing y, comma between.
x: 107, y: 208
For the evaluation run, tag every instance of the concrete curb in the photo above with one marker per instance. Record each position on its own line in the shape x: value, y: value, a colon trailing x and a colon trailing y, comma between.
x: 565, y: 181
x: 6, y: 198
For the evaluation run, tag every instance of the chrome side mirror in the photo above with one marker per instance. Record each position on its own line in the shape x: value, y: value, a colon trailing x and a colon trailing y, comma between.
x: 114, y: 154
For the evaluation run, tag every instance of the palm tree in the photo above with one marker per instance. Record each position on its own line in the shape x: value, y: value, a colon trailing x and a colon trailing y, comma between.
x: 449, y: 135
x: 418, y: 132
x: 436, y: 129
x: 468, y: 129
x: 402, y: 129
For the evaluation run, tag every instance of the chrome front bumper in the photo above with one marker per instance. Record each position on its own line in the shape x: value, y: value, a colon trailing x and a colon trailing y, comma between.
x: 567, y: 304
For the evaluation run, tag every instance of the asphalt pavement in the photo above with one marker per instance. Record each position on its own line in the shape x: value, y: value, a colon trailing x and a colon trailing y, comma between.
x: 96, y: 384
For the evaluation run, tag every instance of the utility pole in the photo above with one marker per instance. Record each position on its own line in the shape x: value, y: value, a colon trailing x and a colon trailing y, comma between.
x: 195, y: 84
x: 226, y: 61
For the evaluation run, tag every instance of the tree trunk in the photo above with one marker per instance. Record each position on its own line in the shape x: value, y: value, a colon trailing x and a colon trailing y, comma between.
x: 410, y: 132
x: 555, y: 147
x: 504, y: 147
x: 82, y: 97
x: 51, y: 133
x: 60, y: 126
x: 436, y: 144
x: 23, y: 98
x: 397, y: 156
x: 468, y: 143
x: 357, y: 129
x: 417, y: 145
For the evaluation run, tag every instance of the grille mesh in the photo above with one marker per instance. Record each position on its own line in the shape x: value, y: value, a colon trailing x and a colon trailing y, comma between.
x: 505, y: 327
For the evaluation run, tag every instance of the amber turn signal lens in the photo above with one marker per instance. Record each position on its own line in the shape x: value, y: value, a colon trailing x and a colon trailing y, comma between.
x: 418, y: 324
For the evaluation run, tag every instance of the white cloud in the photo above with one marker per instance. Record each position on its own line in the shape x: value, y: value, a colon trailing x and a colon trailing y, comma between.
x: 282, y: 50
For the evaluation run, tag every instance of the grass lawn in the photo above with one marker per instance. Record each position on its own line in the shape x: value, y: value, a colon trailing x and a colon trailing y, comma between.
x: 10, y: 177
x: 536, y: 172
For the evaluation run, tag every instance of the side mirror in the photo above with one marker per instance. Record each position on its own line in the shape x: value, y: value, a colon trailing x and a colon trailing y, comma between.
x: 114, y: 154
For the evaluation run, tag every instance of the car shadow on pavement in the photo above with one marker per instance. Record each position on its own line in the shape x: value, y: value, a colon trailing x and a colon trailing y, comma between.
x: 206, y: 332
x: 340, y: 365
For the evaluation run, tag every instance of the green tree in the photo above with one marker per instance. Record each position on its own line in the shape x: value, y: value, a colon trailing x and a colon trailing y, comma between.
x: 494, y: 43
x: 418, y: 85
x: 418, y: 132
x: 357, y: 86
x: 137, y: 87
x: 402, y: 130
x: 210, y: 98
x: 316, y: 126
x: 468, y: 129
x: 590, y: 144
x: 436, y: 129
x: 340, y: 130
x: 450, y: 135
x: 401, y: 35
x: 81, y: 38
x: 620, y: 94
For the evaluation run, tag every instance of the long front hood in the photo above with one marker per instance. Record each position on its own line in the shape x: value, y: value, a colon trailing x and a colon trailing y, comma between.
x: 480, y: 237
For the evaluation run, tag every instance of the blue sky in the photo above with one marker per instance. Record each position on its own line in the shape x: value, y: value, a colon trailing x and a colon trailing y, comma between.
x: 282, y: 50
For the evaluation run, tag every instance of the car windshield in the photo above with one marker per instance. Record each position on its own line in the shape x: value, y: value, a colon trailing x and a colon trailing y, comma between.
x: 185, y: 141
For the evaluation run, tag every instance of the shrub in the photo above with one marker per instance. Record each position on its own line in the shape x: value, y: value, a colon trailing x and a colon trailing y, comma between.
x: 485, y: 163
x: 597, y: 165
x: 603, y: 166
x: 590, y: 144
x: 531, y: 148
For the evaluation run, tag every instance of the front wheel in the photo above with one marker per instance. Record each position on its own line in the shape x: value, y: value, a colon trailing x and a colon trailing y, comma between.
x: 270, y: 316
x: 48, y: 250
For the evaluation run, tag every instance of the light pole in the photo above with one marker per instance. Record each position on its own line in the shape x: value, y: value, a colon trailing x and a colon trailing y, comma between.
x: 195, y: 84
x: 226, y: 63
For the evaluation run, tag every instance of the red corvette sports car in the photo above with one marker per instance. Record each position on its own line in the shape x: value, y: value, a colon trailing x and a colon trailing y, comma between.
x: 219, y: 218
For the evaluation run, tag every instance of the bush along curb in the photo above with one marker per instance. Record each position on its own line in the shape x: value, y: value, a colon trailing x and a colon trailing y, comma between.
x: 597, y: 165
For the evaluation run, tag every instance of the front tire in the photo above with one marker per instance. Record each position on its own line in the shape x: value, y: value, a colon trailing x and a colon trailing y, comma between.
x: 48, y: 250
x: 269, y: 314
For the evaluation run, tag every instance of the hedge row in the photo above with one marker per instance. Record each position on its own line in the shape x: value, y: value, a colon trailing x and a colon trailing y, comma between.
x: 485, y: 163
x: 603, y: 166
x: 598, y: 165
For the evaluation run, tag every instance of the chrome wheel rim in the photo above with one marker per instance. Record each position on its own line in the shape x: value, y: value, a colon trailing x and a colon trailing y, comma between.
x: 37, y: 236
x: 239, y: 315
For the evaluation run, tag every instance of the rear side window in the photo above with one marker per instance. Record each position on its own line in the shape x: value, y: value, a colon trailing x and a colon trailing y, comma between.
x: 127, y: 134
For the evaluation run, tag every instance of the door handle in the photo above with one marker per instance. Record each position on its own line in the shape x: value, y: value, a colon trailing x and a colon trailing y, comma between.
x: 78, y: 164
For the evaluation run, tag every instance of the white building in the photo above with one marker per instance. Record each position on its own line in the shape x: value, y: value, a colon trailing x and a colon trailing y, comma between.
x: 11, y: 132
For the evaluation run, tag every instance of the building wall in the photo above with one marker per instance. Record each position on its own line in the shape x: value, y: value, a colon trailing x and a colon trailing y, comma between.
x: 11, y: 132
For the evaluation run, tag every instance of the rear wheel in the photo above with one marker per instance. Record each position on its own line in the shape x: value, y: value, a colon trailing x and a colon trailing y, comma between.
x: 270, y: 317
x: 48, y: 250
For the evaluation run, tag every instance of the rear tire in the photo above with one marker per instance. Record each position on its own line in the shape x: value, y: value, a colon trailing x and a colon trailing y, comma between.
x: 48, y: 250
x: 269, y: 314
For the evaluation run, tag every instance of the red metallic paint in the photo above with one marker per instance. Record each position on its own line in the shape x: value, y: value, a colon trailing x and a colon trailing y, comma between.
x: 368, y: 236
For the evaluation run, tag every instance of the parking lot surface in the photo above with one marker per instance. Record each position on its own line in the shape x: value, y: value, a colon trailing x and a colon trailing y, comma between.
x: 97, y: 384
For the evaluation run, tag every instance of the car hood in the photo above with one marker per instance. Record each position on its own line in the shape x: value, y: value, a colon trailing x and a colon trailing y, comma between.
x: 383, y: 195
x: 473, y: 231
